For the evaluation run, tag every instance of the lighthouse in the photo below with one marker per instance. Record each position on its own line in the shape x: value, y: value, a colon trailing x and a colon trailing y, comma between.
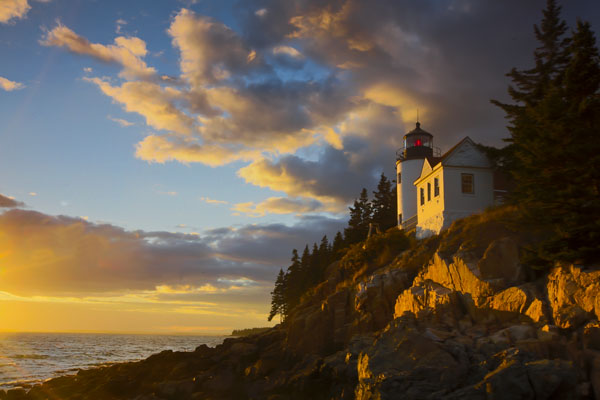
x: 418, y: 145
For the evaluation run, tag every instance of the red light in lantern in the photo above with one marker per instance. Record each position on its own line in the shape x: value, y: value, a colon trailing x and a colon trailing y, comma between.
x: 418, y: 142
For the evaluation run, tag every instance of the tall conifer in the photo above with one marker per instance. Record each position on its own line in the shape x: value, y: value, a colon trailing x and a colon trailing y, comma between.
x: 384, y: 204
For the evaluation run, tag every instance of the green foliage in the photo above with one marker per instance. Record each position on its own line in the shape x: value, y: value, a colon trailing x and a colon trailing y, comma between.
x: 554, y: 157
x: 384, y: 204
x: 377, y: 251
x: 308, y: 270
x: 278, y: 303
x: 360, y: 217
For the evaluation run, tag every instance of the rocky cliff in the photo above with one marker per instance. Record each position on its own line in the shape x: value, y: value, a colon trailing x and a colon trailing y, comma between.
x: 453, y: 317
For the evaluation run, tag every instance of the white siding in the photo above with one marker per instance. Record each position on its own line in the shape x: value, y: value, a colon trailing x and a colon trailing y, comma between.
x: 438, y: 214
x: 431, y: 214
x: 407, y: 193
x: 467, y: 155
x: 459, y: 203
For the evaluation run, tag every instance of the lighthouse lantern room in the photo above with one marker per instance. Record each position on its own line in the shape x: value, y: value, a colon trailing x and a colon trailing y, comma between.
x: 418, y: 145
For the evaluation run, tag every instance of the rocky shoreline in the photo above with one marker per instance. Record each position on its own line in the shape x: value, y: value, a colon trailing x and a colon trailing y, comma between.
x: 455, y: 317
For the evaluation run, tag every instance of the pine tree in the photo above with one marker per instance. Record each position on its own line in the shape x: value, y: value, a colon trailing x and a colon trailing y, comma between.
x: 293, y: 280
x: 384, y: 204
x: 324, y: 253
x: 567, y: 193
x: 531, y: 86
x: 555, y: 144
x: 360, y: 217
x: 278, y: 303
x: 338, y: 244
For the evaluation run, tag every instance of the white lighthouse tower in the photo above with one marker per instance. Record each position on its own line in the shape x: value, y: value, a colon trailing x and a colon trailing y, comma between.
x: 418, y: 145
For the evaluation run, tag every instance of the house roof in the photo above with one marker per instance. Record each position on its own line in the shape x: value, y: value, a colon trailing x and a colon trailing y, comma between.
x: 433, y: 162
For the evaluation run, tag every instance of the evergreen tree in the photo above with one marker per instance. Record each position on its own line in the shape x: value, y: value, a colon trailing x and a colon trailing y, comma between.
x: 360, y: 217
x: 293, y: 280
x: 324, y: 255
x: 305, y: 267
x: 531, y: 85
x: 566, y: 196
x: 384, y: 204
x: 338, y: 244
x: 555, y: 143
x: 278, y: 303
x: 314, y: 270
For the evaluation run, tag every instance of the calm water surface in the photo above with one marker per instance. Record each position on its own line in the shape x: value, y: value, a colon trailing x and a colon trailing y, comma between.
x: 29, y: 358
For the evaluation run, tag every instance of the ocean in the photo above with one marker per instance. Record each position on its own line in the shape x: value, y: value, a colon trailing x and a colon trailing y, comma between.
x: 30, y: 358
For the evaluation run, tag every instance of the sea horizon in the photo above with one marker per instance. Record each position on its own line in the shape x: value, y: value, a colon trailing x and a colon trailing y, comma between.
x: 29, y: 358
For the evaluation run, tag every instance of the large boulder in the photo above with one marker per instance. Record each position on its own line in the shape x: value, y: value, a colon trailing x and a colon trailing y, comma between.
x: 376, y: 295
x: 501, y: 262
x: 460, y: 275
x: 404, y: 361
x: 574, y: 295
x: 429, y: 298
x: 517, y: 301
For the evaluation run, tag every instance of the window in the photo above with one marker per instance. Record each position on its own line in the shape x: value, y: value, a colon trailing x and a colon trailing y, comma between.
x: 436, y: 187
x: 467, y: 183
x: 428, y: 191
x: 422, y: 196
x: 399, y: 178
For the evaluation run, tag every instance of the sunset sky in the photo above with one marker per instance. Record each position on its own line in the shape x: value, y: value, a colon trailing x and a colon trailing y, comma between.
x: 159, y: 160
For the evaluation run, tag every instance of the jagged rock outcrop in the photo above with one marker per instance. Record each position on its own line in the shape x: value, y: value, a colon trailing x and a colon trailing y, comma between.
x: 574, y: 295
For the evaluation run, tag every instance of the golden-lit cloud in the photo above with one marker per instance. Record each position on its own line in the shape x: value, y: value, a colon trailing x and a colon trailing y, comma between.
x: 331, y: 22
x: 280, y: 205
x: 163, y: 148
x: 13, y: 9
x: 287, y: 50
x: 393, y: 96
x: 127, y: 51
x: 210, y: 51
x: 150, y: 100
x: 43, y: 255
x: 8, y: 85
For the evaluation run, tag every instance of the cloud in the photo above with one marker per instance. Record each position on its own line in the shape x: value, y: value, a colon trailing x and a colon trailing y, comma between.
x: 127, y: 51
x: 315, y: 96
x: 261, y: 12
x: 9, y: 202
x: 163, y: 148
x: 168, y: 193
x: 287, y: 50
x: 13, y: 9
x: 9, y: 85
x: 122, y: 122
x: 208, y: 200
x: 155, y: 103
x: 210, y: 51
x: 279, y: 205
x: 64, y: 256
x: 120, y: 23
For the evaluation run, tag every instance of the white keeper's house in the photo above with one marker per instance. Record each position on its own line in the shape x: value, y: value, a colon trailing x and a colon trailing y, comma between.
x: 434, y: 190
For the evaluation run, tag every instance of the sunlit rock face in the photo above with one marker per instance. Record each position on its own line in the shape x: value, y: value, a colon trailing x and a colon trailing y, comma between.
x: 574, y: 295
